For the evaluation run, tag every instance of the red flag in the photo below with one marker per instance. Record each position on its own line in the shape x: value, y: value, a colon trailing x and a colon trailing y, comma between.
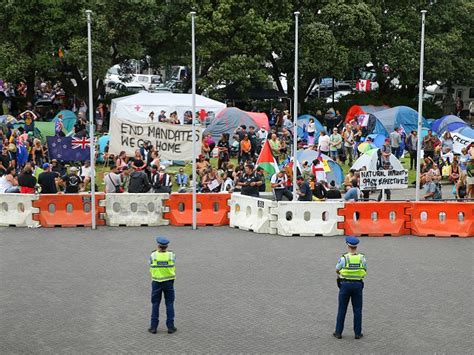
x: 363, y: 85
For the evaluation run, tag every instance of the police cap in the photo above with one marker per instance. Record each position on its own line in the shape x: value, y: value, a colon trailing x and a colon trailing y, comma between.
x: 162, y: 241
x: 352, y: 241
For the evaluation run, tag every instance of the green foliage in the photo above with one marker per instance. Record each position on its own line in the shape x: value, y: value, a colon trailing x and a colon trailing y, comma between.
x: 240, y: 43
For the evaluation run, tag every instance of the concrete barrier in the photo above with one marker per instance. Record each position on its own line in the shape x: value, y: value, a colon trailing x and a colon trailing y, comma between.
x: 134, y: 210
x: 17, y: 210
x: 308, y: 218
x: 251, y: 213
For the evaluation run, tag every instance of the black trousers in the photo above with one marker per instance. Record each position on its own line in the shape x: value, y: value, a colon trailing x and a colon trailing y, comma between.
x: 279, y: 193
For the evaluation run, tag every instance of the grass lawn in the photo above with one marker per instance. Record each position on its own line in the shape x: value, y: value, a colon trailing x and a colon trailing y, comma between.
x: 173, y: 169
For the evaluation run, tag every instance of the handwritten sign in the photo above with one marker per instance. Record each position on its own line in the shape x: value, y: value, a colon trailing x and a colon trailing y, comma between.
x: 460, y: 142
x: 383, y: 179
x: 173, y: 142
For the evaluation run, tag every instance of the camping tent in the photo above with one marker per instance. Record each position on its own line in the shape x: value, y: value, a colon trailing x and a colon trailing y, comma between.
x: 69, y: 119
x: 451, y: 127
x: 302, y: 123
x: 137, y: 107
x: 357, y: 110
x: 336, y: 172
x: 400, y: 116
x: 230, y: 118
x: 438, y: 125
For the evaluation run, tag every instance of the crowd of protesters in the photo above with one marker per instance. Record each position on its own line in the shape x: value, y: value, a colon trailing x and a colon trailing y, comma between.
x: 235, y: 167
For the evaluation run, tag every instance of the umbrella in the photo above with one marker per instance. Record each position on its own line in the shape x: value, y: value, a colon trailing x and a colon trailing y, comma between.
x: 369, y: 161
x: 365, y: 147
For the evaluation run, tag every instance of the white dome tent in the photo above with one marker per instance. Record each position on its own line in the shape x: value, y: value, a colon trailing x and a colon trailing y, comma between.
x: 137, y: 107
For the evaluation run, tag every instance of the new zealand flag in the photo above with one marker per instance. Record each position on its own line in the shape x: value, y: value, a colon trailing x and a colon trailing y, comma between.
x: 69, y: 148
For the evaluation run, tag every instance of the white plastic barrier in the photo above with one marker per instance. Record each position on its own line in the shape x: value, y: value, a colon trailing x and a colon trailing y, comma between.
x: 308, y: 218
x: 135, y: 209
x: 251, y: 213
x: 17, y: 210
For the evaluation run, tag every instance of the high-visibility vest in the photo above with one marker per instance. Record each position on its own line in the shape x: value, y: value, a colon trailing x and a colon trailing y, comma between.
x: 162, y: 267
x: 353, y: 268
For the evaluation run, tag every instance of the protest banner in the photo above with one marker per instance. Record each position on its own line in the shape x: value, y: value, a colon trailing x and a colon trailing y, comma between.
x: 383, y: 179
x: 460, y: 142
x: 173, y: 142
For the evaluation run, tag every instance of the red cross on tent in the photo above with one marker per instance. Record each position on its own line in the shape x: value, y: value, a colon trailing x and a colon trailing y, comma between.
x: 137, y: 108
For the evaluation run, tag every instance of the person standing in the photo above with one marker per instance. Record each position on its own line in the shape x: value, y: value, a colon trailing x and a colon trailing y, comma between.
x: 249, y: 182
x: 429, y: 144
x: 351, y: 268
x: 335, y: 145
x: 163, y: 274
x: 395, y: 140
x: 348, y: 136
x: 72, y: 181
x: 47, y: 180
x: 323, y: 143
x: 412, y: 144
x: 223, y: 150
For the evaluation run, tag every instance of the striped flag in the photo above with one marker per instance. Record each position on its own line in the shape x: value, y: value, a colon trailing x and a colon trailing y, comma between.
x: 266, y: 160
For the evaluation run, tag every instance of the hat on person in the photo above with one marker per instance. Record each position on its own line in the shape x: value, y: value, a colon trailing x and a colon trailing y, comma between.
x: 73, y: 169
x: 45, y: 166
x: 352, y: 241
x: 162, y: 241
x: 162, y: 167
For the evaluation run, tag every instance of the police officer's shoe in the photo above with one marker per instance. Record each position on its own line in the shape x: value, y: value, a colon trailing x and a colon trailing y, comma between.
x: 336, y: 335
x: 152, y: 330
x: 172, y: 330
x: 359, y: 336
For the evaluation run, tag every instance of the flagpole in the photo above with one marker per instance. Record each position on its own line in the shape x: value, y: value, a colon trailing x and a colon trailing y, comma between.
x: 193, y: 69
x: 420, y: 107
x: 295, y: 107
x: 91, y: 121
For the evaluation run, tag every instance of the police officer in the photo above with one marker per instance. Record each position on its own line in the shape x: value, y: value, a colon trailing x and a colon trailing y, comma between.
x: 351, y: 268
x: 163, y: 274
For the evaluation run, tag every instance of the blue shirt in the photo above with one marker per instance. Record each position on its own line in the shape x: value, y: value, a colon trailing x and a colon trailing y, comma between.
x: 342, y: 262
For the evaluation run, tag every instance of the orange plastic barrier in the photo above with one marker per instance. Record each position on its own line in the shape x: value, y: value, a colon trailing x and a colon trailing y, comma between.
x: 68, y: 210
x: 212, y: 209
x: 442, y: 219
x: 375, y: 219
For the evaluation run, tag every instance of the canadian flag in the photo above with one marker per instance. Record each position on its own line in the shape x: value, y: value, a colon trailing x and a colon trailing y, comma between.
x: 363, y: 85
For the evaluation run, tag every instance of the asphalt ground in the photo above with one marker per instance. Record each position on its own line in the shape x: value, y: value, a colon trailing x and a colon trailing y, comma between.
x: 70, y: 291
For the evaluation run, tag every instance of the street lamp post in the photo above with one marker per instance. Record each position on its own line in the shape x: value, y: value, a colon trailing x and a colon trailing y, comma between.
x: 420, y: 106
x: 295, y: 107
x: 91, y: 121
x: 193, y: 69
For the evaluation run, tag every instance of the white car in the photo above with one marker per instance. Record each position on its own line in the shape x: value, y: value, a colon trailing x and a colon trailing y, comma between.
x: 124, y: 88
x: 338, y: 95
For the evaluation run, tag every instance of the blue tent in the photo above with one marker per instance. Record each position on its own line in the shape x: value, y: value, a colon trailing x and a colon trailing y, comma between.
x: 466, y: 131
x: 336, y: 172
x: 302, y: 123
x: 400, y: 116
x: 452, y: 127
x: 102, y: 144
x: 442, y: 122
x: 69, y: 119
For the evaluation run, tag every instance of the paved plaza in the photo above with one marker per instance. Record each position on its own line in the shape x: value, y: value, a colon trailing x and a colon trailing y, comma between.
x: 78, y: 291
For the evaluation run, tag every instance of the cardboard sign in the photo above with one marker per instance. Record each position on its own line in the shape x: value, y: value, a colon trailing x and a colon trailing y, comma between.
x: 173, y: 142
x: 383, y: 179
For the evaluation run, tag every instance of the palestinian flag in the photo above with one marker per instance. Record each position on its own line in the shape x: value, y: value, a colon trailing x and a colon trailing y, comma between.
x: 266, y: 160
